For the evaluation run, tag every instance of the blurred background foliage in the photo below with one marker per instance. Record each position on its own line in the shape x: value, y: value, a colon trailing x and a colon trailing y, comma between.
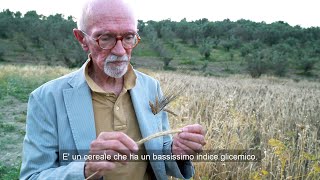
x: 222, y: 47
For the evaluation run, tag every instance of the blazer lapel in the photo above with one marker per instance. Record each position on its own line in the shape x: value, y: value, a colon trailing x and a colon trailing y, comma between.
x: 148, y: 122
x: 78, y: 103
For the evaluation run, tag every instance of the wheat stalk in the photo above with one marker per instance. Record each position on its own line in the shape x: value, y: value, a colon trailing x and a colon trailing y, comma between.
x: 158, y: 134
x: 91, y: 175
x: 163, y: 133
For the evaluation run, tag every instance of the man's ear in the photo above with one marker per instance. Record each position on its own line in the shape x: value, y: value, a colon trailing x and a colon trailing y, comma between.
x: 80, y: 37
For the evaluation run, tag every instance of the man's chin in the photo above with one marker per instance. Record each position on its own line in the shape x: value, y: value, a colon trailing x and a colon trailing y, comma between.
x: 115, y: 73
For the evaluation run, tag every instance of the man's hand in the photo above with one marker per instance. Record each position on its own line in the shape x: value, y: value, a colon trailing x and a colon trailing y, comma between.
x: 110, y: 143
x: 190, y: 141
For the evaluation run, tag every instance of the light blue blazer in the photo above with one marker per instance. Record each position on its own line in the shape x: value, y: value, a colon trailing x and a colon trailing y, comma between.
x: 60, y: 117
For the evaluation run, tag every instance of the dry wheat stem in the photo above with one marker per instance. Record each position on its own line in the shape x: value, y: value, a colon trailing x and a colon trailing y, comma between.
x: 163, y: 133
x: 158, y: 135
x: 91, y: 175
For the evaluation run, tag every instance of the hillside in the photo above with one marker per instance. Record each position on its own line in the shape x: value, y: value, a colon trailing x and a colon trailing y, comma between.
x: 210, y: 48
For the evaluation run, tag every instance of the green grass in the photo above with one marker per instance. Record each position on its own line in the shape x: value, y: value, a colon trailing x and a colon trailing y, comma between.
x: 188, y: 62
x: 20, y: 84
x: 187, y: 51
x: 20, y: 117
x: 16, y: 86
x: 9, y: 172
x: 5, y: 127
x: 143, y: 49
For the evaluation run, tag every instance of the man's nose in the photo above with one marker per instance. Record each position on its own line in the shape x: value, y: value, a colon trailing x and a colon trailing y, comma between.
x: 118, y: 49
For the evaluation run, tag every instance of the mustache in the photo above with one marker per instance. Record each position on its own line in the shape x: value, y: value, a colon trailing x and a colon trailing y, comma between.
x: 114, y: 58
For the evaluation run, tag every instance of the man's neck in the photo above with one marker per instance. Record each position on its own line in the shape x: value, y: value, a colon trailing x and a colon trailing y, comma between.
x: 107, y: 83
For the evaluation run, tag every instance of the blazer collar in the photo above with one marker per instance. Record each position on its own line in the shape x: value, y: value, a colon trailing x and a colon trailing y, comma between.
x: 78, y: 104
x: 78, y: 80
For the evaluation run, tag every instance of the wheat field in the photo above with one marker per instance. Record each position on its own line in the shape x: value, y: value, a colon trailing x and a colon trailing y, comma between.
x: 280, y: 117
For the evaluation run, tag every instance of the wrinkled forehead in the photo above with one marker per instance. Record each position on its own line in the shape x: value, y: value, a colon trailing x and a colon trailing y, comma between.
x: 110, y: 12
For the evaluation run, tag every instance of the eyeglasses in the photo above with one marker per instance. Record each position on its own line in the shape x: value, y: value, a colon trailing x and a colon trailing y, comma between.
x: 108, y: 41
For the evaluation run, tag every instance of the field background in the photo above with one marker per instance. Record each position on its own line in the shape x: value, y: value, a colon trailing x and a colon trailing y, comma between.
x: 278, y: 116
x: 252, y: 85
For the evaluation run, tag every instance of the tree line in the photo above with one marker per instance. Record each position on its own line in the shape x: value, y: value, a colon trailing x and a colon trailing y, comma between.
x: 265, y: 48
x: 52, y: 35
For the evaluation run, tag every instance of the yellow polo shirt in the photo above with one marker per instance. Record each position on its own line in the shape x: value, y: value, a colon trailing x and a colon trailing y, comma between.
x: 116, y: 113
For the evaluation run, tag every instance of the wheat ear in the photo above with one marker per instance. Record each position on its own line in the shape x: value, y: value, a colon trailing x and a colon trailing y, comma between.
x: 163, y: 133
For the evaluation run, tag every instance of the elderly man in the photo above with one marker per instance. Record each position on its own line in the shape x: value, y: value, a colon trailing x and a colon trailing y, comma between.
x: 103, y: 107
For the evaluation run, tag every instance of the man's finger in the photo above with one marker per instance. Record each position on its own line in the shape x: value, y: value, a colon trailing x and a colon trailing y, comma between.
x: 178, y: 151
x: 194, y: 128
x: 114, y: 145
x: 195, y: 147
x: 92, y: 167
x: 183, y: 146
x: 122, y: 137
x: 198, y: 138
x: 111, y: 155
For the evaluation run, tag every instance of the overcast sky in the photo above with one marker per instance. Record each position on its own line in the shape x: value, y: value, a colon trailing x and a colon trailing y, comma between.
x: 295, y: 12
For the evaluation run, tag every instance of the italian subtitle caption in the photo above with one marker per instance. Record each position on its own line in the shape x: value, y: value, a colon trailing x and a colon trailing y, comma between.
x: 205, y: 156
